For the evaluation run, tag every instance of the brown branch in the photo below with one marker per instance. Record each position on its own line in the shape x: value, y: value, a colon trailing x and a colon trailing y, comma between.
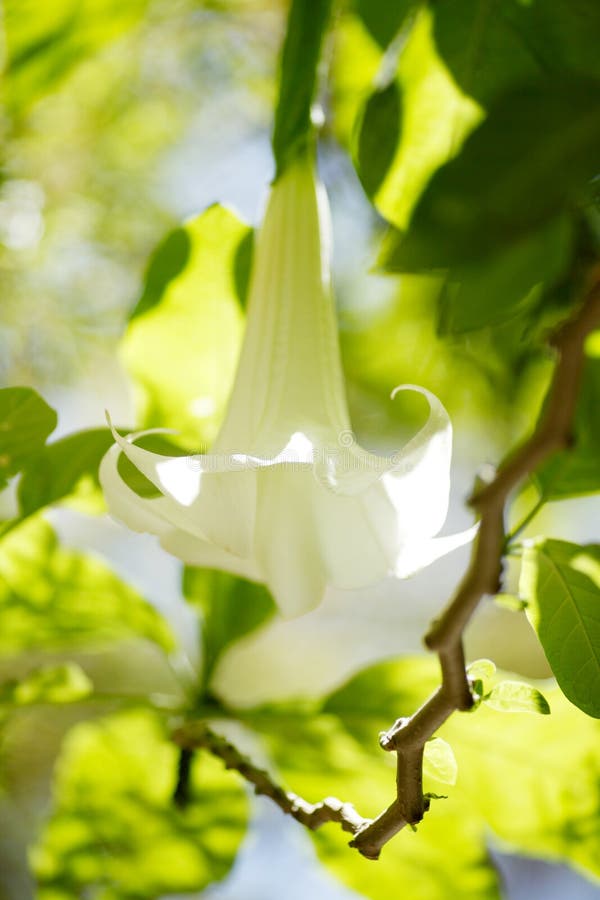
x: 407, y: 737
x: 197, y: 735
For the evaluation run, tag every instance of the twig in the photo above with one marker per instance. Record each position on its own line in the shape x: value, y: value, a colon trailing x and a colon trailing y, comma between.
x: 312, y: 815
x: 181, y: 794
x: 407, y: 737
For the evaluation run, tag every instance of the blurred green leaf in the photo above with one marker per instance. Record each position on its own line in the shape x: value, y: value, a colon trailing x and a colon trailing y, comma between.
x: 52, y: 598
x: 45, y: 41
x: 575, y: 471
x: 356, y: 59
x: 527, y: 163
x: 516, y: 696
x: 378, y: 136
x: 561, y: 582
x: 494, y: 289
x: 382, y: 18
x: 460, y: 56
x: 55, y: 472
x: 25, y: 422
x: 482, y: 668
x: 182, y: 342
x: 64, y: 683
x: 439, y: 761
x: 411, y: 125
x: 114, y: 828
x: 230, y: 607
x: 306, y: 28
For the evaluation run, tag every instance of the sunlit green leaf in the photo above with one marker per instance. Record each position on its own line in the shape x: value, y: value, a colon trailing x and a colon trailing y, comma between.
x: 53, y: 598
x: 412, y: 126
x: 484, y: 199
x: 114, y: 825
x: 356, y: 59
x: 575, y: 471
x: 439, y: 761
x: 481, y: 673
x: 516, y: 696
x: 182, y: 342
x: 561, y: 582
x: 231, y: 607
x: 459, y: 58
x: 45, y: 41
x: 64, y: 683
x: 25, y: 422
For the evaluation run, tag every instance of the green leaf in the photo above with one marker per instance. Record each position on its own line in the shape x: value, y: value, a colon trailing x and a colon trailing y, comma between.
x: 25, y: 422
x: 182, y: 343
x: 382, y: 18
x: 306, y: 27
x: 411, y: 126
x: 231, y: 608
x: 481, y: 673
x: 459, y: 58
x: 378, y: 136
x: 356, y: 59
x: 516, y: 696
x: 526, y: 164
x: 59, y: 468
x: 114, y: 827
x: 439, y: 761
x: 575, y: 471
x: 64, y: 683
x: 497, y: 288
x: 52, y: 598
x: 44, y: 43
x: 561, y: 582
x: 490, y: 46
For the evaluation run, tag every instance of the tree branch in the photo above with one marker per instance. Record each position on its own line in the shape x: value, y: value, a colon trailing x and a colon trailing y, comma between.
x: 197, y: 735
x: 407, y: 737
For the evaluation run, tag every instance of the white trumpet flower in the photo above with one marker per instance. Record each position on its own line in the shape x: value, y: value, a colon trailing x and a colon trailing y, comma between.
x: 286, y: 496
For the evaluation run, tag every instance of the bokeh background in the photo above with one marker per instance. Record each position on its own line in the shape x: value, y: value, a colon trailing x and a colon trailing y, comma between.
x: 120, y: 120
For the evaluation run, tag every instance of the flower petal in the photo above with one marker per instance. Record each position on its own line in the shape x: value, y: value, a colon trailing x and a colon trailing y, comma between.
x: 418, y: 554
x: 138, y: 513
x: 354, y: 548
x: 212, y: 497
x: 287, y: 546
x: 195, y: 552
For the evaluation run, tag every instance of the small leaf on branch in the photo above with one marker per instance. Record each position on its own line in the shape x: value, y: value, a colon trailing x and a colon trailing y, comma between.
x: 439, y: 761
x: 516, y: 696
